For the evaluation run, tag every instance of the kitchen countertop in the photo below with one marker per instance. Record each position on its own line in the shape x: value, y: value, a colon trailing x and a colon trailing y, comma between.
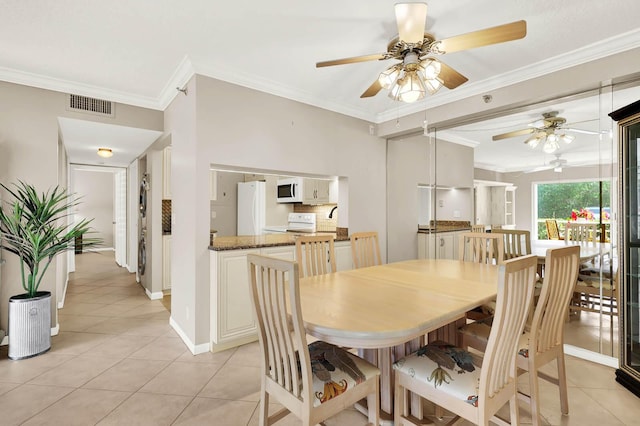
x: 444, y: 226
x: 258, y: 241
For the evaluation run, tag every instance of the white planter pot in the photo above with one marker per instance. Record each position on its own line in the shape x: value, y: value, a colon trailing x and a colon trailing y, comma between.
x: 29, y: 325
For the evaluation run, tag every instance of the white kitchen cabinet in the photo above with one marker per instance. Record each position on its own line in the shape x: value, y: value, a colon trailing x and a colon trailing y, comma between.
x: 442, y: 245
x: 344, y: 257
x: 166, y: 262
x: 232, y: 320
x: 166, y: 173
x: 315, y: 191
x: 503, y: 205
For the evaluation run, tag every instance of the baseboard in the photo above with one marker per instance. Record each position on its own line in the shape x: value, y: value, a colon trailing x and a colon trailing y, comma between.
x: 154, y: 296
x: 195, y: 349
x: 64, y: 293
x: 99, y: 249
x: 5, y: 341
x: 588, y: 355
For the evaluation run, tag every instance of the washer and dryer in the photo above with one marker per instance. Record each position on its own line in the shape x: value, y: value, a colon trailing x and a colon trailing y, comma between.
x: 142, y: 242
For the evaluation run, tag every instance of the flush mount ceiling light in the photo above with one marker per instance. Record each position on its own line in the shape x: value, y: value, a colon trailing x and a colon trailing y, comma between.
x: 105, y: 152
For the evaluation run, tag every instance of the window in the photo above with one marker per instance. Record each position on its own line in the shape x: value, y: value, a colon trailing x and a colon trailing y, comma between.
x: 558, y: 200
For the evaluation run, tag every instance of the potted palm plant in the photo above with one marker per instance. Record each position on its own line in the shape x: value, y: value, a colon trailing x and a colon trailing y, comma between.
x: 35, y: 228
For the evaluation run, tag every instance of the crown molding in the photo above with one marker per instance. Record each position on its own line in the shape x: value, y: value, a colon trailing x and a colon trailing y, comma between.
x: 186, y: 69
x: 452, y: 137
x: 66, y: 86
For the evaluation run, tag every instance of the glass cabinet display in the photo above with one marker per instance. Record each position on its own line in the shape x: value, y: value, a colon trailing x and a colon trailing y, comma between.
x: 628, y: 119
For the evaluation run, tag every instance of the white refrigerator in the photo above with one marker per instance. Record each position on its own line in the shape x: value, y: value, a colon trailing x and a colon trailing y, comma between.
x: 251, y: 207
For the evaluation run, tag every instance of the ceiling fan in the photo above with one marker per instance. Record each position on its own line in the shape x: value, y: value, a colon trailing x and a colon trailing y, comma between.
x: 418, y: 72
x: 557, y: 164
x: 549, y: 130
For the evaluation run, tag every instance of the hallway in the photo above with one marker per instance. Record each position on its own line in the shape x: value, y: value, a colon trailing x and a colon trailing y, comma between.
x: 116, y: 361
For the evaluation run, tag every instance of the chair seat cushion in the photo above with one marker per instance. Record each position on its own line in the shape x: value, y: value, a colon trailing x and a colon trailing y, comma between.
x: 448, y: 367
x: 336, y: 370
x: 479, y: 330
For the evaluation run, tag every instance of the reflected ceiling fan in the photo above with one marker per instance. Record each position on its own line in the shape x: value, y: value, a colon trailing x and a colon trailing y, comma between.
x: 557, y: 164
x: 549, y: 130
x: 418, y: 71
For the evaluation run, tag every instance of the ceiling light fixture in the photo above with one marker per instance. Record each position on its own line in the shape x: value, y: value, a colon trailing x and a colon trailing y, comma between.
x: 409, y: 82
x: 105, y: 152
x: 549, y: 140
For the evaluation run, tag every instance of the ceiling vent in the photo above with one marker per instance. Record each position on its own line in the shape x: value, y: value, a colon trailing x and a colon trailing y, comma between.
x: 90, y: 105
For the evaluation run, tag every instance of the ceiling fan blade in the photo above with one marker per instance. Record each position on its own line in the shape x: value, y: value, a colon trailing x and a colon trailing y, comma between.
x: 514, y: 134
x: 450, y: 77
x: 586, y: 132
x: 372, y: 90
x: 501, y: 33
x: 352, y: 60
x: 411, y: 19
x: 540, y: 169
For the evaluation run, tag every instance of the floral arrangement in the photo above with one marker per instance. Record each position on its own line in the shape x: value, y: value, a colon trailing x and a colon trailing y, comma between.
x: 587, y: 215
x: 581, y: 214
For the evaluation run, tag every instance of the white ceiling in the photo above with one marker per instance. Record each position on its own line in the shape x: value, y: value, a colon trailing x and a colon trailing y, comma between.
x: 137, y: 52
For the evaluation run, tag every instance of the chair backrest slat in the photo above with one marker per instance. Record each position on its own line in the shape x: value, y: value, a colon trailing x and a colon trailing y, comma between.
x: 516, y: 281
x: 481, y: 247
x: 316, y: 255
x: 517, y: 242
x: 584, y: 233
x: 365, y: 249
x: 560, y: 275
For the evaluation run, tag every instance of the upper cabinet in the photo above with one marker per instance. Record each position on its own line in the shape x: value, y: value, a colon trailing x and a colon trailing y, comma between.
x: 166, y: 173
x: 495, y: 203
x: 315, y: 191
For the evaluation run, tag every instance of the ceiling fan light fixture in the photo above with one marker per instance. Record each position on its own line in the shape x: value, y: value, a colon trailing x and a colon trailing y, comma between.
x: 433, y: 85
x: 533, y: 141
x: 105, y: 152
x: 551, y: 145
x: 409, y: 88
x: 567, y: 138
x: 388, y: 77
x: 431, y: 68
x: 557, y: 169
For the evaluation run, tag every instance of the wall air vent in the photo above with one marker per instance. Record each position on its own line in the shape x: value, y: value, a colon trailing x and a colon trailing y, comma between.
x: 90, y: 105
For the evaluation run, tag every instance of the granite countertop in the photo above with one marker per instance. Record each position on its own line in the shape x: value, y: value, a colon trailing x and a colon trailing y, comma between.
x: 445, y: 226
x: 258, y: 241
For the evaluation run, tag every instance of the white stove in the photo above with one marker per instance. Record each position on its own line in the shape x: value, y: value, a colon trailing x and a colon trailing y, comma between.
x: 298, y: 222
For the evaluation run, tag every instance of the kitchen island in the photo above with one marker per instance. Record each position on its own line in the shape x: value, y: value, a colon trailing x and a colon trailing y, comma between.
x: 439, y: 239
x: 231, y: 320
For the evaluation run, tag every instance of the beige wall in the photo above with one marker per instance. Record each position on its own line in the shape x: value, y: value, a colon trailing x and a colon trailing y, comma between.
x: 224, y: 124
x: 29, y: 151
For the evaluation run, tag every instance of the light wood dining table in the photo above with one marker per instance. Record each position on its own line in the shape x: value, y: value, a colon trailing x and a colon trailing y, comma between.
x: 588, y: 250
x: 388, y: 309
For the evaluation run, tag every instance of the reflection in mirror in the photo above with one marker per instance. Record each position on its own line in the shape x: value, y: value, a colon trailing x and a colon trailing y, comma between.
x: 511, y: 149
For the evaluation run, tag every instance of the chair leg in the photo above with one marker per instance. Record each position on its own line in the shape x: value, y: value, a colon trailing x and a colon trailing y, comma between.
x: 562, y: 385
x: 263, y: 415
x: 534, y: 391
x: 373, y: 404
x: 514, y: 410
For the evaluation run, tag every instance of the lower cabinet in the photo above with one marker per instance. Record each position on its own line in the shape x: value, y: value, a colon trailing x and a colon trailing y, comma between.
x: 442, y: 245
x: 344, y: 257
x: 166, y: 262
x: 232, y: 322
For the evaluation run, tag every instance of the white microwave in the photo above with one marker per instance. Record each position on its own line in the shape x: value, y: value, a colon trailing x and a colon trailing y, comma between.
x: 289, y: 190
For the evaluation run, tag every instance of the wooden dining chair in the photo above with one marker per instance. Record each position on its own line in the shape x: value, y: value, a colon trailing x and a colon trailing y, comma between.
x: 478, y: 228
x: 586, y: 233
x: 544, y: 342
x: 453, y: 379
x: 315, y: 255
x: 517, y: 242
x: 481, y: 247
x: 365, y: 249
x: 553, y: 233
x: 315, y: 381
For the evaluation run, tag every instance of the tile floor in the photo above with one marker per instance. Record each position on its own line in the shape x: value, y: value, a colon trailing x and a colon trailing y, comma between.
x: 116, y: 361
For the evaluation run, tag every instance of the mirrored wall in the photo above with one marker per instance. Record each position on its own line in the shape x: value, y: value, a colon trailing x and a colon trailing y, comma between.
x: 552, y: 161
